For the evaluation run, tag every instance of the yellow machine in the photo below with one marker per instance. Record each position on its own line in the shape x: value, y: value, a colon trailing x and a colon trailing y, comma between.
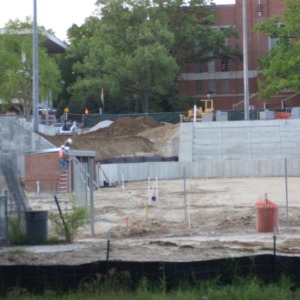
x: 208, y: 105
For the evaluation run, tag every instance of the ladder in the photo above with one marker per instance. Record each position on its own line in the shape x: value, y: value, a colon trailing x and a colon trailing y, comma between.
x: 63, y: 183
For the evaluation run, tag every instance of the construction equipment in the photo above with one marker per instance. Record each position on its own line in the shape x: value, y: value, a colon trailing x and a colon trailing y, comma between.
x: 207, y: 107
x: 68, y: 128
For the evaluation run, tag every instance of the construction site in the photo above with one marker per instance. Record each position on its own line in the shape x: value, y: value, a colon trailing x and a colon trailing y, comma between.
x: 190, y: 194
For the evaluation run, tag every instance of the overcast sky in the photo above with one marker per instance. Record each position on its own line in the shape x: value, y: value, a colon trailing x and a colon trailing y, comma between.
x: 58, y: 15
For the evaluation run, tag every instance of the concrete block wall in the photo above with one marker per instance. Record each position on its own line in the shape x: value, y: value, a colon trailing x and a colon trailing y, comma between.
x: 204, y: 169
x: 224, y: 150
x: 17, y: 138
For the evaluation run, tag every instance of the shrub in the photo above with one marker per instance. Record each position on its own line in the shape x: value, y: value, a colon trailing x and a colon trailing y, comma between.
x: 72, y: 221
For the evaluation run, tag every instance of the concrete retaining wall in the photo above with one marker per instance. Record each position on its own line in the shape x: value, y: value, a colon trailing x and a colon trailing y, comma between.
x: 203, y: 169
x: 16, y: 138
x: 240, y: 140
x: 224, y: 149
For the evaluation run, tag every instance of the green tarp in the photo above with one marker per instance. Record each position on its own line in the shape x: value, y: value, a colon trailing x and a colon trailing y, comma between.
x: 91, y: 120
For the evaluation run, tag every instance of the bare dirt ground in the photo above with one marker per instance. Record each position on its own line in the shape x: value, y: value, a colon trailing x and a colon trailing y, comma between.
x: 221, y: 213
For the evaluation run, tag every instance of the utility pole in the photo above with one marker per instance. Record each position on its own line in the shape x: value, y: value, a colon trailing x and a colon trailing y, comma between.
x: 245, y: 61
x: 35, y: 80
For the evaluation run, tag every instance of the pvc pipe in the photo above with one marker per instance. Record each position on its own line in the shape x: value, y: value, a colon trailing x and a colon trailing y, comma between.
x: 123, y: 185
x: 286, y: 194
x: 38, y: 187
x: 156, y: 194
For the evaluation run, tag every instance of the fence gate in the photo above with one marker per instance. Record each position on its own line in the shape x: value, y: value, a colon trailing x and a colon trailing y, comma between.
x: 84, y: 186
x: 81, y: 182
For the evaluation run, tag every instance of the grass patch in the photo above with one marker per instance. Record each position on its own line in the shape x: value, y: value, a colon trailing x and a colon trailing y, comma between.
x: 110, y: 288
x: 16, y: 231
x: 16, y: 251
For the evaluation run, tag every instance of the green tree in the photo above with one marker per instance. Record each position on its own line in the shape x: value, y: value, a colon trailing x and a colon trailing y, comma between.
x: 89, y: 88
x: 280, y: 68
x: 16, y: 67
x: 137, y: 49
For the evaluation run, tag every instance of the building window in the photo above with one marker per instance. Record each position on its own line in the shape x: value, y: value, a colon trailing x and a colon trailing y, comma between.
x: 197, y: 47
x: 198, y: 68
x: 198, y: 87
x: 274, y: 39
x: 224, y: 59
x: 211, y: 87
x: 225, y: 86
x: 224, y: 64
x: 211, y: 63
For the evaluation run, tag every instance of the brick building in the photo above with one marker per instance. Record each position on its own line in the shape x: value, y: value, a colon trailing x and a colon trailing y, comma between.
x: 43, y: 171
x: 222, y: 78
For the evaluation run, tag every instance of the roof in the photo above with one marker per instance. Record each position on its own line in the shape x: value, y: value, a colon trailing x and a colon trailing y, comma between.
x: 52, y: 43
x: 77, y: 153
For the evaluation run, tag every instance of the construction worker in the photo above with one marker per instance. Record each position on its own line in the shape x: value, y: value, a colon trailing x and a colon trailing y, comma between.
x: 68, y: 143
x: 62, y: 155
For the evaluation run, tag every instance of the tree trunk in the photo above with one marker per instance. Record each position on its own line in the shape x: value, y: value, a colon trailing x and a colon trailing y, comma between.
x: 27, y: 111
x: 145, y: 102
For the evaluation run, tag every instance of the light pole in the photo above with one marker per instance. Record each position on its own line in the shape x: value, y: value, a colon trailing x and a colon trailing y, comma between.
x: 245, y: 61
x: 35, y: 67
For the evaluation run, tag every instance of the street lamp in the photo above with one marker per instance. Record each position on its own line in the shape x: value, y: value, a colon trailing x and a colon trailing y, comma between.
x: 35, y: 80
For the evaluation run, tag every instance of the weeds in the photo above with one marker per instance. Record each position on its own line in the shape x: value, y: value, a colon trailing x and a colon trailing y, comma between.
x: 16, y: 231
x: 111, y: 287
x: 16, y: 251
x: 72, y: 222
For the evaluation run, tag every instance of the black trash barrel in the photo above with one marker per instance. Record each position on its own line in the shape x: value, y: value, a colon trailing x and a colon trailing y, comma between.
x: 36, y: 227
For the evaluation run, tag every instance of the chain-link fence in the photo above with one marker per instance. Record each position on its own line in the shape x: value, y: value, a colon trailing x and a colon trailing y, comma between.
x: 18, y: 203
x: 3, y: 218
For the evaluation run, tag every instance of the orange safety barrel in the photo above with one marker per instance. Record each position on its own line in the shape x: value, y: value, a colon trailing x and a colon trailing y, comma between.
x: 266, y: 215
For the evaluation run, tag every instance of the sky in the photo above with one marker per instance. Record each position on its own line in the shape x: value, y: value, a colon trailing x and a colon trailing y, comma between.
x: 58, y: 15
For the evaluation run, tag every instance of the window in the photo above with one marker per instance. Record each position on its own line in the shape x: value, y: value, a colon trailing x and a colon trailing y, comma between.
x: 197, y: 46
x: 274, y: 39
x: 224, y: 59
x: 225, y: 86
x: 211, y: 87
x: 198, y: 67
x: 211, y: 63
x: 224, y: 64
x: 198, y: 87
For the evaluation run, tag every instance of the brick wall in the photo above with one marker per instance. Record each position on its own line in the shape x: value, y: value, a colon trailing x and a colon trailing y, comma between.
x: 258, y: 46
x: 42, y: 167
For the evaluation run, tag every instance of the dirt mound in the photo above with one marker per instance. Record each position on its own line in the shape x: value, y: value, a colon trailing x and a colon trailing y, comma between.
x: 127, y: 126
x: 141, y: 136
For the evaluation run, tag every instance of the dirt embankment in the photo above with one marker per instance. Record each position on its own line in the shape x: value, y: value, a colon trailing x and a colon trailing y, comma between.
x: 142, y: 136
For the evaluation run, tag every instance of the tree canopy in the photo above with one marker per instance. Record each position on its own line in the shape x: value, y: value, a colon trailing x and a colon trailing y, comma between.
x: 135, y: 49
x: 16, y: 67
x: 280, y: 68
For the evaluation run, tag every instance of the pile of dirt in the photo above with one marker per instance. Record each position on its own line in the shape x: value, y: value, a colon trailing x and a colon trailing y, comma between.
x: 141, y: 136
x: 127, y: 127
